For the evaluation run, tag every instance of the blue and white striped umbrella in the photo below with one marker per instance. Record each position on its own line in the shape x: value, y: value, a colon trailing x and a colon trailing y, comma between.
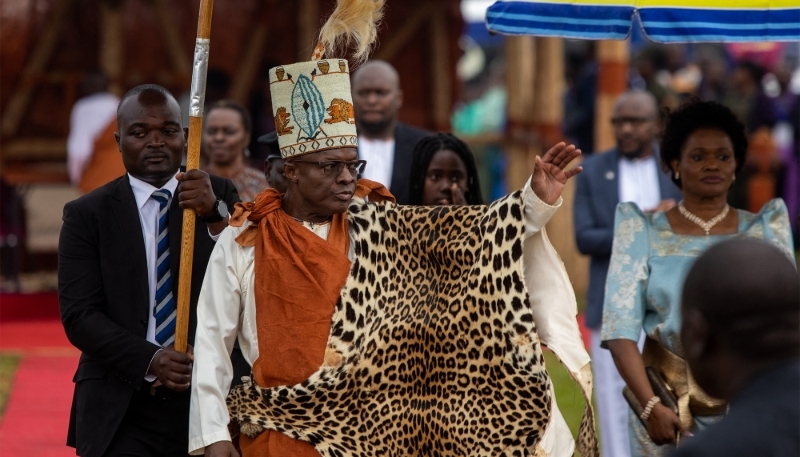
x: 665, y: 21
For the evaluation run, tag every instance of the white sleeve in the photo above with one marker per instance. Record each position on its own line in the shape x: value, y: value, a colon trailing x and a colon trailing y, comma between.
x: 218, y: 312
x: 554, y: 309
x: 89, y: 118
x: 537, y: 212
x: 80, y: 144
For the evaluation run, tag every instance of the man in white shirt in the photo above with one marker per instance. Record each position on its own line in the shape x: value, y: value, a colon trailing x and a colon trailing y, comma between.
x: 383, y: 141
x: 117, y: 272
x: 282, y: 279
x: 628, y: 173
x: 90, y: 144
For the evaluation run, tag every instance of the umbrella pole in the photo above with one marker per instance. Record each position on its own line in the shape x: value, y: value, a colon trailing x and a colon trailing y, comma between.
x: 198, y: 94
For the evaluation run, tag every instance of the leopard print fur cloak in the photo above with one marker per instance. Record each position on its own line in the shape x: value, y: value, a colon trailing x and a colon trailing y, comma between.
x: 433, y: 350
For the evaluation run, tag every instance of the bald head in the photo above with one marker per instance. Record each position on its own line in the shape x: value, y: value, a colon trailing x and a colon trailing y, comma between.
x: 639, y: 98
x: 748, y: 294
x: 377, y: 99
x: 740, y: 314
x: 376, y: 69
x: 742, y: 279
x: 635, y: 122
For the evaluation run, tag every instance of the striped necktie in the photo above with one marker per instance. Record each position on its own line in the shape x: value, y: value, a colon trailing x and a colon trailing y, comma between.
x: 165, y: 309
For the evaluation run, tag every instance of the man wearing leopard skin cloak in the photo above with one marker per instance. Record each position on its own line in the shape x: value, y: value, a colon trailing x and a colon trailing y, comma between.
x: 375, y: 329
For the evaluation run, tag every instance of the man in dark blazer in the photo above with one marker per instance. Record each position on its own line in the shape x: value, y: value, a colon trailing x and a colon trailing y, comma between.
x: 740, y: 334
x: 629, y: 172
x: 131, y: 394
x: 385, y: 143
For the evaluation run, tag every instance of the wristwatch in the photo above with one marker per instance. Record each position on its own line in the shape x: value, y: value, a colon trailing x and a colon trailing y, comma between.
x: 219, y: 213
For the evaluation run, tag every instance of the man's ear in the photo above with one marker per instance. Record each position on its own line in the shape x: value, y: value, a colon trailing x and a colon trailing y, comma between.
x: 695, y: 335
x: 399, y: 99
x: 116, y: 137
x: 290, y: 172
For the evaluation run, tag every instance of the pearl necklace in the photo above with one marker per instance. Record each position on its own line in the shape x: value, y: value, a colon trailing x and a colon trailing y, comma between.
x: 705, y: 225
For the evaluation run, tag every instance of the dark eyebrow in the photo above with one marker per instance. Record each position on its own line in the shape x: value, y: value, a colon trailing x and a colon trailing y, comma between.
x: 144, y: 125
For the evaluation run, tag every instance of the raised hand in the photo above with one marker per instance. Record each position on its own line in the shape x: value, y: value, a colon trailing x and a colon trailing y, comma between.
x: 550, y: 174
x: 458, y: 196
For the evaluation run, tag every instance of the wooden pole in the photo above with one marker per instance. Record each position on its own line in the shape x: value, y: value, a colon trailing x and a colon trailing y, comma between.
x: 522, y: 142
x: 172, y: 39
x: 198, y: 93
x: 308, y: 22
x: 248, y: 67
x: 612, y: 81
x: 40, y: 57
x: 549, y: 111
x: 111, y: 45
x: 441, y: 90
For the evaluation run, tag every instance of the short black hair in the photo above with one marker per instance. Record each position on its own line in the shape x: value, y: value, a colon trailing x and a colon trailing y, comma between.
x: 424, y: 151
x: 695, y: 115
x: 271, y: 140
x: 136, y: 91
x: 247, y: 121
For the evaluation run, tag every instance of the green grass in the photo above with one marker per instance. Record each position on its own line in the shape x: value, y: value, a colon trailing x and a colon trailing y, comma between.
x: 8, y: 365
x: 568, y: 394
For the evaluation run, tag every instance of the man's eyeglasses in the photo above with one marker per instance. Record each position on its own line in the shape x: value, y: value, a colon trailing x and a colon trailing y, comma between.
x: 634, y: 121
x: 335, y: 167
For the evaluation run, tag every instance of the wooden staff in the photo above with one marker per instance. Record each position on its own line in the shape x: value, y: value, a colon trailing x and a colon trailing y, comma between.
x: 198, y: 95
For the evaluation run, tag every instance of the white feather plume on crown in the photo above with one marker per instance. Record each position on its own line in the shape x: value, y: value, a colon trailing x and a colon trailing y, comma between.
x: 353, y: 24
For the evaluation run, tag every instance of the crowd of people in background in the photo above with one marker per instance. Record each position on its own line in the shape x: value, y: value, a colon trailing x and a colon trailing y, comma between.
x: 759, y: 83
x: 707, y: 147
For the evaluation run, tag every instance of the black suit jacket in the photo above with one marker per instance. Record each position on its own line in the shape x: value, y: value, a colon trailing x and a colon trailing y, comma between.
x: 764, y: 420
x: 405, y: 138
x: 104, y: 299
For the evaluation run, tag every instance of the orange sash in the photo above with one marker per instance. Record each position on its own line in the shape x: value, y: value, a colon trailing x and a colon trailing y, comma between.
x: 106, y: 162
x: 299, y: 279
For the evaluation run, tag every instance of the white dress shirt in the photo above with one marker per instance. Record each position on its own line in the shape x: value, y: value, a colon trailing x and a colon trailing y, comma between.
x: 638, y: 182
x: 89, y: 118
x: 379, y: 155
x: 229, y: 280
x: 148, y: 216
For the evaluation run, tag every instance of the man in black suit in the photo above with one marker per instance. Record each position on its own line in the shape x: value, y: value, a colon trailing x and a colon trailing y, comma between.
x: 740, y: 333
x: 118, y: 262
x: 385, y: 143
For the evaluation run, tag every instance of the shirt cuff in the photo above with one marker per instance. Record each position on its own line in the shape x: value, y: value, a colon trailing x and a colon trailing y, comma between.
x: 537, y: 212
x: 151, y: 377
x: 197, y: 445
x: 216, y: 237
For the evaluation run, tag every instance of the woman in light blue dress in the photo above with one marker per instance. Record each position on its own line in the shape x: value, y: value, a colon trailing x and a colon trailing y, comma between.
x: 703, y: 147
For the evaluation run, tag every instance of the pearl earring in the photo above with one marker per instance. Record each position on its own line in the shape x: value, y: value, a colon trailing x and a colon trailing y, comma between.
x: 677, y: 175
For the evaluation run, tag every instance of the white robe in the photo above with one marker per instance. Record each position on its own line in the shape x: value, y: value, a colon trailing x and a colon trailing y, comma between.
x: 226, y: 310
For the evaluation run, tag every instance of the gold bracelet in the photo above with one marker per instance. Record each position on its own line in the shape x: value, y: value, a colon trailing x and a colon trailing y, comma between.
x: 649, y: 408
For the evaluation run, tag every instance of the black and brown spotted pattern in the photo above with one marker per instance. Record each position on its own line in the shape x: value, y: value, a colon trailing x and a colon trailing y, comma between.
x: 433, y: 350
